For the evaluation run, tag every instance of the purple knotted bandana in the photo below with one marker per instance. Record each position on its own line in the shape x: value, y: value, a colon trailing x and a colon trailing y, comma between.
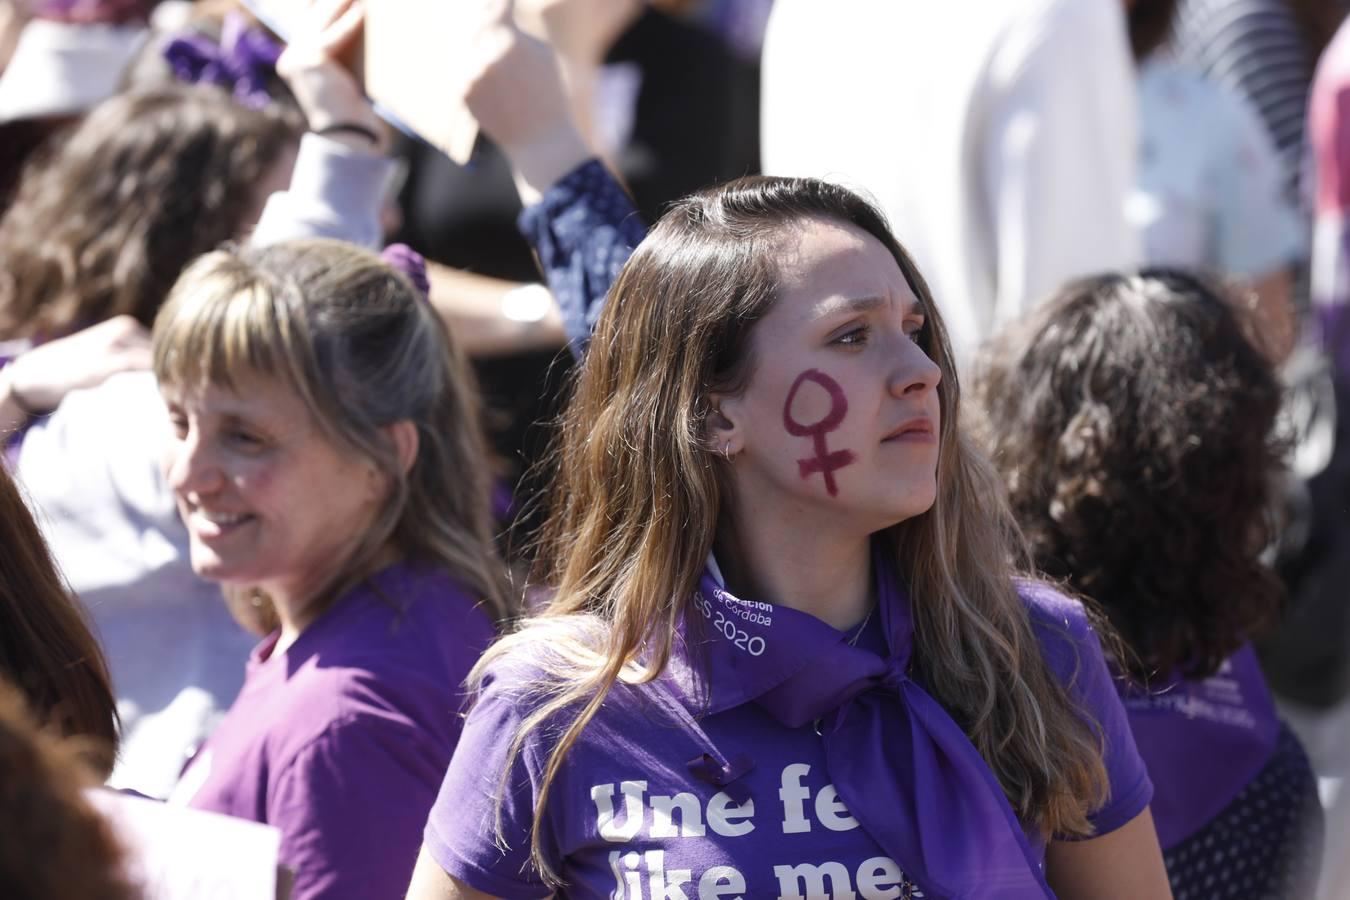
x: 243, y: 61
x: 902, y: 765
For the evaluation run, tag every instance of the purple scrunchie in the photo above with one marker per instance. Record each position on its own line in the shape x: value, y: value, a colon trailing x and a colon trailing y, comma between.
x: 411, y: 263
x: 243, y: 61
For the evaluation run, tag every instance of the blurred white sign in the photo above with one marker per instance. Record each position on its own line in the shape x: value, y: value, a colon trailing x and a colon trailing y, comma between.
x: 186, y: 854
x: 411, y: 63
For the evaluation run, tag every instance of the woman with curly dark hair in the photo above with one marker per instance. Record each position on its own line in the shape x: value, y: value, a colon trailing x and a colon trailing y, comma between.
x: 150, y: 181
x: 98, y: 232
x: 1133, y: 422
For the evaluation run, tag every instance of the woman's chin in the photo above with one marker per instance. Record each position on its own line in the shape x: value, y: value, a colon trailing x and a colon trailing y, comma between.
x: 902, y: 509
x: 209, y: 567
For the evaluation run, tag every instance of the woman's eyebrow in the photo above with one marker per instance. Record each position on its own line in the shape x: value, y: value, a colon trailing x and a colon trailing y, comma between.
x: 839, y: 305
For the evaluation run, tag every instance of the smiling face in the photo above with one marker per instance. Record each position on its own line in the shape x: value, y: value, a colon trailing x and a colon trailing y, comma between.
x: 841, y: 411
x: 267, y: 499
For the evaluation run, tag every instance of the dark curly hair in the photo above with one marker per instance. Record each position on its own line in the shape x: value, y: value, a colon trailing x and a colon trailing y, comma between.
x: 149, y: 181
x: 1133, y: 422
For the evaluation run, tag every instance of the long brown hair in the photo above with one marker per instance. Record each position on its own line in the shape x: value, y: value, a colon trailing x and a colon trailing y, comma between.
x: 103, y: 224
x: 56, y: 844
x: 46, y: 647
x: 639, y: 494
x: 362, y: 348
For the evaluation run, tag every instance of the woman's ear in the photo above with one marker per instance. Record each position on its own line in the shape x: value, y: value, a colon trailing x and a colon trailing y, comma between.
x: 404, y: 435
x: 725, y: 434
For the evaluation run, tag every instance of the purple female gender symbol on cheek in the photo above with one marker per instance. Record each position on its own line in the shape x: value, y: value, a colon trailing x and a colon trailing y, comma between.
x: 824, y: 461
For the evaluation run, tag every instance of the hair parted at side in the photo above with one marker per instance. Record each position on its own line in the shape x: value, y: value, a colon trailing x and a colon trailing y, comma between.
x: 362, y: 348
x: 47, y: 649
x: 149, y: 181
x: 638, y: 495
x: 1134, y: 425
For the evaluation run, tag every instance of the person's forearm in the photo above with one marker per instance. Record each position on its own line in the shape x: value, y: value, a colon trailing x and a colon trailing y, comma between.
x: 1125, y: 864
x: 538, y: 165
x: 478, y: 311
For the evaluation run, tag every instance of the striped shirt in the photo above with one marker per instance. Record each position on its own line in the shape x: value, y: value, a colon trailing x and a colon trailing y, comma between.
x: 1256, y: 48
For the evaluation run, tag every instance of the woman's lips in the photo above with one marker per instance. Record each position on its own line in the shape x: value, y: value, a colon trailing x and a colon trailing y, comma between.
x: 211, y: 525
x: 917, y: 430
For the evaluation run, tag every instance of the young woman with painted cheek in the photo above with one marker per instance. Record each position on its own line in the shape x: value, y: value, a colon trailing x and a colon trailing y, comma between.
x: 328, y: 463
x: 786, y: 653
x: 837, y: 430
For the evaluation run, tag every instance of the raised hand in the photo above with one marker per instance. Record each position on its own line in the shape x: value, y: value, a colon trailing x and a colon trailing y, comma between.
x: 580, y: 30
x: 327, y: 92
x: 516, y: 93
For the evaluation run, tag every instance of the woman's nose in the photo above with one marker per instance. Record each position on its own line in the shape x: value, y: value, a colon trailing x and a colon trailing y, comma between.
x: 914, y: 371
x: 189, y: 466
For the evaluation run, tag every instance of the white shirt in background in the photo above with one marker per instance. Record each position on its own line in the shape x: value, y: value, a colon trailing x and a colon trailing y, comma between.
x: 1210, y: 192
x: 998, y: 136
x: 91, y: 471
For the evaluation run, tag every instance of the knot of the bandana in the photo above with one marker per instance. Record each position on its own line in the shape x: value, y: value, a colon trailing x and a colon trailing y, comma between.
x: 904, y: 767
x: 895, y: 675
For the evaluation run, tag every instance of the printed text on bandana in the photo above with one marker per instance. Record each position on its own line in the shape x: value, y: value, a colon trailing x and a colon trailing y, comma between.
x: 627, y: 811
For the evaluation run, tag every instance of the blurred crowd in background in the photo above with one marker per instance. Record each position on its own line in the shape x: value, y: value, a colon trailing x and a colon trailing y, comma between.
x: 1013, y: 145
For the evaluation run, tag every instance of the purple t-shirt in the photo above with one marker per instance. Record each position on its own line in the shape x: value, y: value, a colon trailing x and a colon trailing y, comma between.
x: 342, y: 739
x: 1203, y: 741
x: 627, y: 816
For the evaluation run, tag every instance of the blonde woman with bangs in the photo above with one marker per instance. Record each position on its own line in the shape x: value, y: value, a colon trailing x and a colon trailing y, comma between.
x: 789, y: 650
x: 328, y: 463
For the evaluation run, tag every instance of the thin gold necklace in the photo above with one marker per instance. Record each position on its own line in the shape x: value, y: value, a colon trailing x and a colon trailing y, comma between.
x: 853, y: 641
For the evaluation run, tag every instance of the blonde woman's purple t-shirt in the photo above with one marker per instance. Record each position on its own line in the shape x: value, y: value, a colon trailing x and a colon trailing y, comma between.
x: 342, y: 739
x: 629, y: 817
